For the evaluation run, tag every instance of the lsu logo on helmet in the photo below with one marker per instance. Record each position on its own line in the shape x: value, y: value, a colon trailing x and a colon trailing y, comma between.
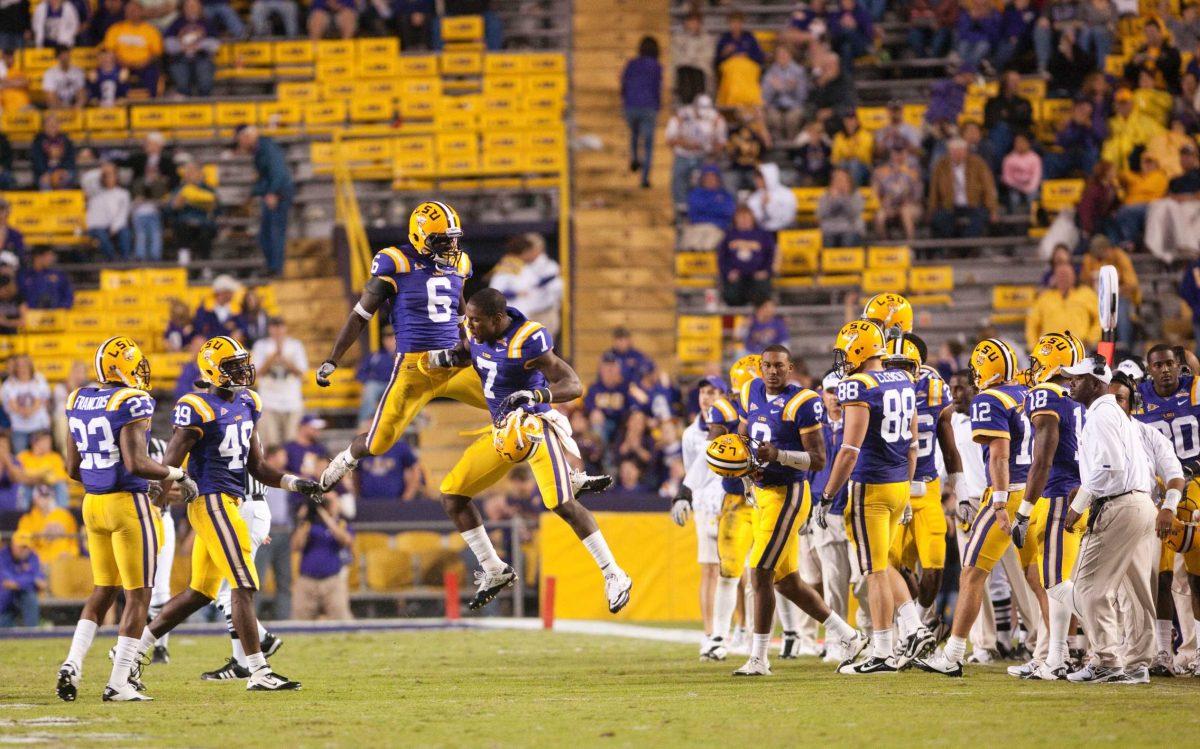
x: 856, y: 342
x: 729, y: 456
x: 993, y: 362
x: 434, y: 230
x: 747, y: 368
x: 120, y: 360
x: 1182, y: 537
x: 518, y: 436
x: 1052, y: 352
x: 887, y: 310
x: 224, y: 362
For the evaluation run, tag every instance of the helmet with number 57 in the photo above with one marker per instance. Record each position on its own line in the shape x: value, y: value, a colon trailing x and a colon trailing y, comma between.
x: 434, y: 230
x: 120, y: 361
x: 993, y: 362
x: 223, y: 362
x: 857, y: 342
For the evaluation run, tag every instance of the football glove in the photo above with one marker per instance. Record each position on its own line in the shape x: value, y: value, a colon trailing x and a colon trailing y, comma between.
x: 820, y: 512
x: 681, y: 506
x: 187, y: 489
x: 446, y: 358
x: 517, y: 400
x: 906, y: 515
x: 324, y: 372
x: 1020, y: 529
x: 963, y: 512
x: 307, y: 487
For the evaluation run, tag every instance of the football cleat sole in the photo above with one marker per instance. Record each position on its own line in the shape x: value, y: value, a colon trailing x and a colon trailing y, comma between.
x: 487, y: 595
x: 66, y: 689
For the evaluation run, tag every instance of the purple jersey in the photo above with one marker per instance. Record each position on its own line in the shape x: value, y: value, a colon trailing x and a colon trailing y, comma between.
x: 218, y: 460
x: 890, y: 397
x: 425, y: 305
x: 504, y: 366
x: 1054, y: 400
x: 1177, y: 416
x: 932, y: 396
x: 831, y: 431
x: 728, y: 413
x: 998, y: 412
x: 95, y: 417
x: 780, y: 419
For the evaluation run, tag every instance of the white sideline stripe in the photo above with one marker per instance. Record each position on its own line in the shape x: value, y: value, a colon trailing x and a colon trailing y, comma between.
x: 590, y: 627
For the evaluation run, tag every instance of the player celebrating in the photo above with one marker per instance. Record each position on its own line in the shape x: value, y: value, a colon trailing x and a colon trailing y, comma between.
x: 521, y: 376
x: 1040, y: 521
x: 109, y: 423
x: 216, y: 432
x: 998, y: 424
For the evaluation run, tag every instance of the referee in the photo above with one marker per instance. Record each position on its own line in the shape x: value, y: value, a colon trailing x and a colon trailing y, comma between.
x: 1120, y: 546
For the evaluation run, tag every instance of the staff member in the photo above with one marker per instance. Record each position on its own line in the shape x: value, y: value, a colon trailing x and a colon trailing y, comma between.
x: 1120, y: 545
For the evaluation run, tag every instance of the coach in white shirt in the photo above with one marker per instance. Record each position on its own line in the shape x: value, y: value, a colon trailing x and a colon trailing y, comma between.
x: 1120, y: 547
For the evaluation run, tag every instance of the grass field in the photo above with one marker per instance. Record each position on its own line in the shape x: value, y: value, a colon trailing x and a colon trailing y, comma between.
x: 509, y: 689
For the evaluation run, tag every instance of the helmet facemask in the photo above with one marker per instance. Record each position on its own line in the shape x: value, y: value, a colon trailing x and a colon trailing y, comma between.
x: 841, y: 363
x: 443, y: 247
x: 141, y: 374
x: 237, y: 371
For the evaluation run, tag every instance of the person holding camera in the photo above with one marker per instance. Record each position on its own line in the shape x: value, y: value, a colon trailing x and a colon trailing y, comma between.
x: 323, y: 541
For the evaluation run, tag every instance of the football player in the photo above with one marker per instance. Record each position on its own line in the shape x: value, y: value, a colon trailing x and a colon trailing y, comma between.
x: 521, y: 375
x: 1171, y: 404
x: 1000, y: 426
x: 878, y: 456
x: 1040, y: 521
x: 109, y: 423
x: 216, y: 432
x: 783, y: 422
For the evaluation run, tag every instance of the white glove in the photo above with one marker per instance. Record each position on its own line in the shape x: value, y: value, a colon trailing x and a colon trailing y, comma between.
x: 681, y: 510
x: 906, y: 515
x: 324, y: 372
x: 964, y: 512
x: 188, y: 489
x: 820, y: 514
x: 446, y: 358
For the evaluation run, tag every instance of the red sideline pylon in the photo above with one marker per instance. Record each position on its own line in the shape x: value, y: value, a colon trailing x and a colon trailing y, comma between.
x: 548, y: 603
x: 450, y: 584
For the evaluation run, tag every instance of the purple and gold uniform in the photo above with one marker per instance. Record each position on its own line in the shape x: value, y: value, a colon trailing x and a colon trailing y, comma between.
x: 879, y: 484
x: 781, y: 494
x: 218, y: 463
x: 504, y: 367
x: 425, y: 317
x: 735, y: 525
x: 1056, y: 547
x: 123, y: 528
x: 1177, y: 417
x: 924, y: 538
x: 998, y: 413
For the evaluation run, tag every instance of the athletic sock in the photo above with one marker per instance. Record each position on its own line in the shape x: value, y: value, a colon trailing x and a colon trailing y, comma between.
x: 883, y: 643
x: 239, y: 653
x: 147, y: 640
x: 724, y: 604
x: 81, y: 642
x: 1003, y: 611
x: 789, y: 614
x: 348, y: 458
x: 481, y: 547
x: 598, y: 548
x: 760, y: 645
x: 1164, y: 633
x: 910, y: 614
x: 956, y: 648
x: 837, y: 628
x: 127, y: 653
x: 262, y: 631
x: 151, y: 615
x: 1060, y: 621
x: 256, y: 661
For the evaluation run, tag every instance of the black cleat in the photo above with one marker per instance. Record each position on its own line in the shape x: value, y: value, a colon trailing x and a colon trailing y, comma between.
x: 160, y: 655
x: 790, y: 649
x: 490, y: 584
x: 231, y: 670
x: 271, y: 644
x: 68, y: 684
x: 266, y: 680
x: 872, y: 665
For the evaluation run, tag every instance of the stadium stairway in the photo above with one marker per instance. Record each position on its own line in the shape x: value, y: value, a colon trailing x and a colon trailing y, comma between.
x: 623, y: 238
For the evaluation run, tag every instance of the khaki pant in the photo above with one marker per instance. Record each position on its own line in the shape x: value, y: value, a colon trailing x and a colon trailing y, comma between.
x: 1121, y: 552
x: 277, y: 427
x: 321, y: 598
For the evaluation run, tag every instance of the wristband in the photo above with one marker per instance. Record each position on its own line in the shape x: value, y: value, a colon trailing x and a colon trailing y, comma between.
x: 541, y: 395
x: 798, y: 459
x: 954, y: 480
x: 174, y: 473
x: 361, y: 312
x: 1026, y: 508
x: 1171, y: 500
x: 1082, y: 501
x: 288, y: 482
x: 1000, y: 496
x: 850, y: 447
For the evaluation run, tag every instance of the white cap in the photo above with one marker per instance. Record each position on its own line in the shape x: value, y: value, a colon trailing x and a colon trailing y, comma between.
x: 1131, y: 368
x: 703, y: 102
x: 831, y: 381
x: 10, y: 259
x: 226, y: 282
x: 1091, y: 366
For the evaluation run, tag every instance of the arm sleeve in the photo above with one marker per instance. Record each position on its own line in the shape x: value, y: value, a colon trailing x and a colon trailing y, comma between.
x: 1166, y: 462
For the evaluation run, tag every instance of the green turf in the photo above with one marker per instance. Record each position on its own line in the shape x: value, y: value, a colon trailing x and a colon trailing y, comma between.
x: 468, y: 689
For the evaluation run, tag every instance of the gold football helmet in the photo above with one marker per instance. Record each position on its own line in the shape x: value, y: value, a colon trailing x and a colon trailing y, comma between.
x: 856, y: 342
x: 518, y: 436
x: 731, y: 456
x: 743, y: 370
x: 993, y: 362
x: 434, y: 230
x: 224, y: 362
x: 1053, y: 352
x: 1182, y: 537
x: 902, y: 353
x: 889, y: 309
x: 120, y: 361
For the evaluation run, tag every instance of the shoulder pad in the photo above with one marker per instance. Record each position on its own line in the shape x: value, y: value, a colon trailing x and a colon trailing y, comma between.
x: 797, y: 400
x: 465, y: 268
x: 865, y: 378
x: 1004, y: 398
x: 745, y: 394
x: 726, y: 409
x: 1195, y: 391
x: 199, y: 405
x: 1050, y: 386
x: 517, y: 342
x: 123, y: 395
x: 71, y: 398
x: 256, y: 399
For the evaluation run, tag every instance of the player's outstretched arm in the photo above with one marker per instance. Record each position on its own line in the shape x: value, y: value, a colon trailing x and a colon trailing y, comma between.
x: 373, y: 295
x: 261, y: 470
x: 564, y: 384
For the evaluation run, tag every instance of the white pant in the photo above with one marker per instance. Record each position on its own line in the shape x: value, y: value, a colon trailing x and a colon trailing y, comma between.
x: 258, y: 519
x: 1172, y: 228
x: 832, y: 551
x: 161, y: 592
x: 706, y: 537
x: 810, y: 572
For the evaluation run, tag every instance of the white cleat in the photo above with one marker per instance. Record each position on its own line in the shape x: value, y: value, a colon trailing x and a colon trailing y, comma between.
x: 983, y: 657
x: 1096, y: 674
x: 1025, y: 670
x: 266, y: 680
x: 616, y: 588
x: 1044, y: 673
x: 126, y: 693
x: 868, y: 666
x: 809, y: 650
x: 939, y: 663
x: 754, y: 667
x: 853, y: 647
x: 582, y: 483
x: 341, y: 464
x: 714, y: 650
x: 1138, y: 675
x: 489, y: 586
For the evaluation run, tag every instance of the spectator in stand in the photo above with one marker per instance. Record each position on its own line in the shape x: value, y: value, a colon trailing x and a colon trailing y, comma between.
x: 839, y: 212
x: 1100, y: 200
x: 608, y: 399
x: 629, y: 485
x: 12, y: 302
x: 833, y: 86
x: 1016, y: 33
x: 375, y: 372
x: 634, y: 363
x: 853, y: 148
x: 1058, y: 16
x: 710, y: 212
x: 323, y: 540
x: 930, y: 25
x: 14, y: 24
x: 50, y: 526
x: 288, y: 14
x: 1064, y: 306
x: 1101, y: 252
x: 1184, y: 107
x: 1098, y: 28
x: 281, y: 362
x: 946, y: 96
x: 192, y: 213
x: 186, y: 383
x: 1173, y: 223
x: 693, y: 51
x: 696, y: 132
x: 12, y: 240
x: 1189, y: 291
x: 532, y: 281
x: 1151, y: 99
x: 1021, y: 174
x: 52, y: 156
x: 1069, y: 66
x: 772, y: 203
x: 108, y: 82
x: 961, y: 189
x: 253, y: 322
x: 108, y: 207
x: 180, y: 330
x: 637, y: 443
x: 591, y: 449
x: 641, y: 98
x: 1157, y: 56
x: 766, y: 327
x: 738, y: 41
x: 138, y: 46
x: 661, y: 396
x: 977, y: 35
x: 341, y: 13
x: 6, y: 177
x: 738, y: 82
x: 221, y: 319
x: 306, y: 455
x: 55, y: 22
x: 1078, y: 144
x: 14, y: 83
x: 276, y: 188
x: 1127, y: 129
x: 41, y: 462
x: 277, y: 556
x: 21, y: 579
x: 851, y: 31
x: 65, y: 84
x: 24, y: 396
x: 898, y: 189
x: 812, y: 156
x: 391, y: 476
x: 746, y: 261
x: 108, y: 13
x: 414, y: 20
x: 1139, y: 190
x: 1060, y: 255
x: 154, y: 175
x: 897, y: 134
x: 746, y: 145
x: 43, y: 285
x: 1167, y: 145
x: 972, y: 133
x: 1004, y: 115
x: 221, y: 13
x: 191, y: 44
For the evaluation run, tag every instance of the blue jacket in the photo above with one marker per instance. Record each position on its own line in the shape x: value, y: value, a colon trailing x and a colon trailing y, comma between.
x: 1189, y: 289
x: 641, y: 84
x: 26, y: 574
x: 47, y: 289
x: 711, y: 206
x: 274, y: 177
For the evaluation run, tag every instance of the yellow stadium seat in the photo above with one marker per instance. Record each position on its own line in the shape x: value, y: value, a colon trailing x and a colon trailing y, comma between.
x: 70, y: 120
x: 150, y: 117
x: 253, y: 54
x: 843, y: 260
x: 388, y: 569
x: 699, y: 326
x: 545, y: 161
x: 542, y: 120
x: 418, y: 66
x: 914, y: 114
x: 230, y: 114
x: 545, y: 62
x: 696, y: 264
x: 799, y: 250
x: 931, y: 278
x: 698, y: 350
x: 88, y: 300
x: 447, y: 143
x: 294, y: 53
x: 838, y: 280
x: 458, y: 162
x: 84, y: 57
x: 12, y: 345
x: 504, y: 161
x: 378, y: 58
x: 875, y: 280
x: 374, y: 46
x: 889, y: 257
x: 451, y: 121
x: 1058, y: 194
x: 500, y: 85
x: 275, y: 115
x: 377, y: 151
x: 502, y: 121
x: 1033, y: 89
x: 302, y: 91
x: 972, y: 110
x: 192, y: 116
x: 37, y: 58
x: 335, y: 49
x: 873, y: 118
x: 25, y: 122
x: 113, y: 280
x: 462, y: 29
x: 328, y: 70
x: 501, y: 103
x: 45, y: 320
x: 806, y: 199
x: 1013, y: 298
x: 372, y: 109
x: 55, y: 368
x: 501, y: 63
x: 106, y: 118
x: 368, y: 540
x: 377, y: 87
x: 461, y: 63
x: 546, y: 84
x: 71, y: 577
